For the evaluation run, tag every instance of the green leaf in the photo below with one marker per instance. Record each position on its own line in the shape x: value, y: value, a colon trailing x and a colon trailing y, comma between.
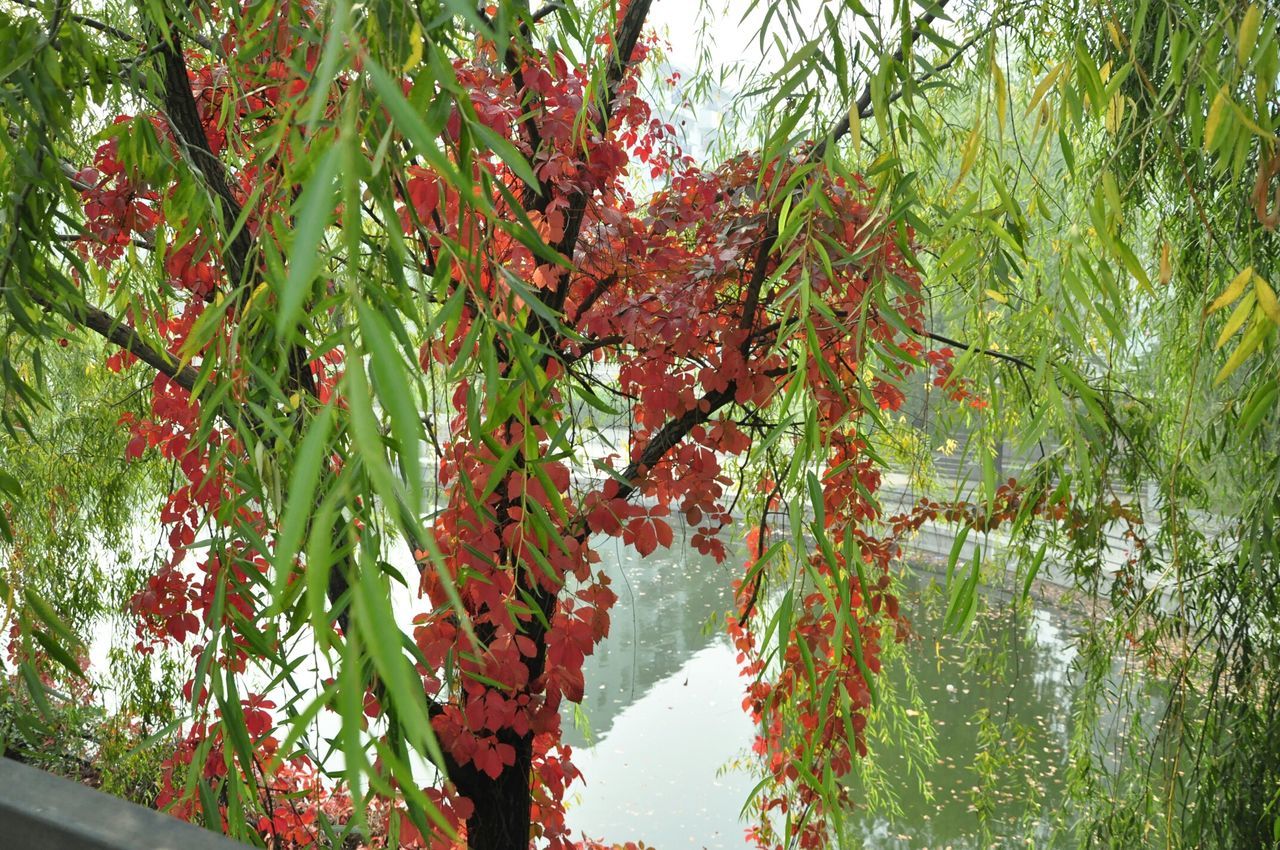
x: 395, y: 393
x: 316, y: 210
x: 300, y: 504
x: 507, y: 152
x: 376, y: 622
x: 409, y: 121
x: 1033, y: 569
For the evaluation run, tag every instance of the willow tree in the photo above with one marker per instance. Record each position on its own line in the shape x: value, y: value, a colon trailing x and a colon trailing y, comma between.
x: 1109, y: 172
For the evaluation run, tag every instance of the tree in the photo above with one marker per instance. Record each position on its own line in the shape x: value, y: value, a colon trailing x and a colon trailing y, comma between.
x: 388, y: 279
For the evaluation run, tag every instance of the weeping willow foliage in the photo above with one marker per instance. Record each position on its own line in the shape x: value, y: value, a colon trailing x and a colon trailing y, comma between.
x: 1097, y: 187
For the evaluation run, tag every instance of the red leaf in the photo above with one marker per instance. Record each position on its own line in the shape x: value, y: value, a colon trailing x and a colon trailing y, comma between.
x: 665, y: 537
x: 647, y: 537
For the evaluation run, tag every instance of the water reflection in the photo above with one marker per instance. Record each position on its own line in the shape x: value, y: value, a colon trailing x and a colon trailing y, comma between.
x: 998, y: 702
x: 663, y: 706
x: 669, y: 608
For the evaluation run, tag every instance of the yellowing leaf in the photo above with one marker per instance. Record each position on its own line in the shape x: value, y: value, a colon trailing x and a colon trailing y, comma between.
x: 1266, y: 298
x: 258, y: 290
x: 1216, y: 111
x: 971, y: 146
x: 1002, y: 94
x: 1248, y: 33
x: 1041, y: 89
x: 1257, y: 333
x: 1245, y: 119
x: 416, y: 46
x: 1233, y: 291
x: 996, y: 295
x: 1237, y: 319
x: 855, y: 128
x: 1166, y: 262
x: 1115, y: 113
x: 1115, y: 35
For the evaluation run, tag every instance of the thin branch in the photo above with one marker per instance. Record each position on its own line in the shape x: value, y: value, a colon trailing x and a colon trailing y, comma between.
x: 750, y: 606
x: 602, y: 285
x: 967, y: 346
x: 85, y: 20
x: 592, y: 345
x: 139, y: 240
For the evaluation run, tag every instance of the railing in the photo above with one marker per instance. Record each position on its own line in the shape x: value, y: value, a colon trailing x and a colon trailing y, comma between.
x: 40, y: 811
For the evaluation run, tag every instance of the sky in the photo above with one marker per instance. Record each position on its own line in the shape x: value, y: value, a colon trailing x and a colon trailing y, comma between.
x: 732, y: 41
x: 686, y: 25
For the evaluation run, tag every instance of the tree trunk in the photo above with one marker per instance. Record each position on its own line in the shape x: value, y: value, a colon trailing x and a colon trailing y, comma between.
x: 501, y: 819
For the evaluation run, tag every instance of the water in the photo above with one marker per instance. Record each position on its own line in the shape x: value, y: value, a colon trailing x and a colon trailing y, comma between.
x: 666, y: 757
x: 664, y: 708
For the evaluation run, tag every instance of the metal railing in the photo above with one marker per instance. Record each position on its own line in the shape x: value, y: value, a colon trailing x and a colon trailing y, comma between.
x: 40, y: 811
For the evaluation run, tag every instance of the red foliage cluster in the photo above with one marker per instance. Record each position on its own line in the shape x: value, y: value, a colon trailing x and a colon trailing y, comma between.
x: 811, y: 706
x: 176, y: 604
x: 293, y: 789
x: 686, y: 296
x: 117, y: 207
x: 957, y: 388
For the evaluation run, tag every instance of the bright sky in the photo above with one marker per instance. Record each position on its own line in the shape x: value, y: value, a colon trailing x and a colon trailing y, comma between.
x: 717, y: 26
x: 691, y: 26
x: 732, y: 38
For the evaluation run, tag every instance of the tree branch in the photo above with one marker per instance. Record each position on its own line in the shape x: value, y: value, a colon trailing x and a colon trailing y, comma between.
x: 546, y: 10
x: 671, y: 434
x: 85, y: 20
x: 602, y: 285
x: 123, y: 336
x: 990, y: 352
x: 863, y: 103
x: 180, y: 108
x: 758, y: 276
x: 624, y: 41
x: 531, y: 196
x: 184, y: 117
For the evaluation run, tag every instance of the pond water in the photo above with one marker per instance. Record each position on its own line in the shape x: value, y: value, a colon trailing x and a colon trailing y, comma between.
x: 664, y: 751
